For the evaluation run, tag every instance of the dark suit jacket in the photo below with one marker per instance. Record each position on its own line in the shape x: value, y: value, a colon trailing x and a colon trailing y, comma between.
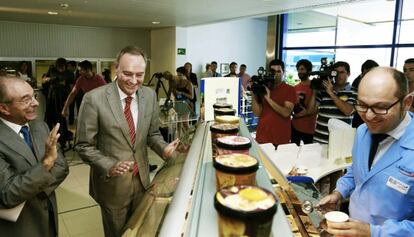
x: 102, y: 139
x: 23, y: 178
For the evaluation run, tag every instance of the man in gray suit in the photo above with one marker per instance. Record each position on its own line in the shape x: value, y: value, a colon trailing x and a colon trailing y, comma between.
x: 30, y: 170
x: 116, y: 123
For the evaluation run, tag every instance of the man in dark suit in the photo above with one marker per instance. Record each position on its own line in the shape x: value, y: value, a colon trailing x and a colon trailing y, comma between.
x: 116, y: 123
x: 30, y: 170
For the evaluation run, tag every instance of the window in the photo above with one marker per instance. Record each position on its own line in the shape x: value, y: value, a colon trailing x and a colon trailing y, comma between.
x: 352, y: 32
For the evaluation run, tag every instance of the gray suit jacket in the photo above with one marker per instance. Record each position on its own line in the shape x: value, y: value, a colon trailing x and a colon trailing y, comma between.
x: 23, y: 178
x: 102, y: 139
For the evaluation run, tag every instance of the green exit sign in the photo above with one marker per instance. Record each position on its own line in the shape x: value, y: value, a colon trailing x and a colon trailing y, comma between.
x: 181, y: 51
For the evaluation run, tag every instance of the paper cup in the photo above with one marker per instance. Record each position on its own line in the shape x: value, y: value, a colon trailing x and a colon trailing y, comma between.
x: 301, y: 170
x: 336, y: 216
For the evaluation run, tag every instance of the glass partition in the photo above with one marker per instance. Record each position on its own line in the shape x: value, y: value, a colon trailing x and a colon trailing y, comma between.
x: 310, y: 28
x: 403, y: 54
x: 356, y: 57
x: 108, y: 69
x: 313, y: 55
x: 42, y: 67
x: 352, y: 32
x: 21, y: 68
x: 407, y: 23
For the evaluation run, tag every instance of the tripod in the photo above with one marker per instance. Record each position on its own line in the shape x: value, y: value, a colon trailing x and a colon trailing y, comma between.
x: 159, y: 77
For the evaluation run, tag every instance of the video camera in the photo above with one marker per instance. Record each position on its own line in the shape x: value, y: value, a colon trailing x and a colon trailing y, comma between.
x: 158, y: 75
x: 300, y: 105
x: 326, y: 72
x: 261, y: 80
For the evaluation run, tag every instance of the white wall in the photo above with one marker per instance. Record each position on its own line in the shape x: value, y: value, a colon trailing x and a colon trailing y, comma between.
x: 181, y: 42
x: 163, y: 50
x: 242, y: 41
x: 19, y: 39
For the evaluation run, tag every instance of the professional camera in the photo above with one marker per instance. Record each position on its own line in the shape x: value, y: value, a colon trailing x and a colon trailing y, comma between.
x: 159, y: 77
x: 260, y: 81
x: 300, y: 105
x: 326, y: 72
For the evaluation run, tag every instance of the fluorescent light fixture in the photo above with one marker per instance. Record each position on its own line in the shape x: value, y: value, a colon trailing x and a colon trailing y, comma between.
x: 156, y: 22
x: 52, y: 13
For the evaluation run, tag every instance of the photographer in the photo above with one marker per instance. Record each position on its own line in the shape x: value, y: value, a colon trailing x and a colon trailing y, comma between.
x: 274, y: 107
x: 335, y: 99
x: 182, y: 90
x: 304, y: 113
x: 56, y: 87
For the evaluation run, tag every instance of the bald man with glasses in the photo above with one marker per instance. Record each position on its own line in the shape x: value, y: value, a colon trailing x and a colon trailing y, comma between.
x: 380, y: 181
x: 31, y: 165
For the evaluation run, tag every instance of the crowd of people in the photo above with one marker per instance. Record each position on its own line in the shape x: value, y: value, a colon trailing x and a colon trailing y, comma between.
x: 116, y: 123
x: 118, y: 119
x: 378, y: 182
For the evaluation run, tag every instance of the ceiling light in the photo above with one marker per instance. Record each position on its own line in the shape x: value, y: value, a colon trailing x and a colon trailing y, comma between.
x: 156, y: 22
x: 52, y: 13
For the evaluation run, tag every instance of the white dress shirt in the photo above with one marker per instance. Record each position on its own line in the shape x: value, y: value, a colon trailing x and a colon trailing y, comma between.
x: 15, y: 127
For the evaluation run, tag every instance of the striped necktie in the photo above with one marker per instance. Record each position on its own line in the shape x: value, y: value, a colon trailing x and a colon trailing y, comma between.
x: 131, y: 125
x: 129, y: 118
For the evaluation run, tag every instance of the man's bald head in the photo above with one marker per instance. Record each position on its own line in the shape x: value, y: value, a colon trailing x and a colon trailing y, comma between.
x: 385, y: 78
x: 5, y: 82
x: 382, y: 99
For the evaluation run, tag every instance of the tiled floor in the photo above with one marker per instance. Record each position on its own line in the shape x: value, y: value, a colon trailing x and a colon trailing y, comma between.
x: 79, y: 215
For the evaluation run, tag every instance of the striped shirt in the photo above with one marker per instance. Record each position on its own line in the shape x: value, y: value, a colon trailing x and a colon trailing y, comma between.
x: 327, y: 109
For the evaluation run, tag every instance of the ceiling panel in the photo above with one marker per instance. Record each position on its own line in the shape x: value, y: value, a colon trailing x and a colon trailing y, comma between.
x: 141, y: 13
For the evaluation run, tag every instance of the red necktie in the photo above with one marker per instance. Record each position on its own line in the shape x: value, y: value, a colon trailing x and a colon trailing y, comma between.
x: 129, y: 118
x: 131, y: 125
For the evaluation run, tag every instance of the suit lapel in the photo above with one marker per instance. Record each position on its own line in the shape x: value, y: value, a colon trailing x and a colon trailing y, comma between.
x: 116, y: 108
x: 38, y: 142
x: 394, y: 153
x: 391, y: 156
x: 141, y: 113
x: 16, y: 143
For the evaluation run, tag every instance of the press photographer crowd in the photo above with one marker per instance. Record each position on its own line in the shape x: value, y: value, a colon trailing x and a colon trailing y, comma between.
x: 378, y: 104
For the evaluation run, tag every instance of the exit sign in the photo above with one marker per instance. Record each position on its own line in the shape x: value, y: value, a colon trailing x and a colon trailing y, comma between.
x: 181, y: 51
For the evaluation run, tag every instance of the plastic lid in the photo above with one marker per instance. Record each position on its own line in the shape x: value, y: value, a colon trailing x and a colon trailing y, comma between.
x: 222, y: 105
x: 236, y: 163
x: 234, y: 142
x: 227, y: 119
x: 224, y: 111
x: 226, y: 128
x: 246, y: 203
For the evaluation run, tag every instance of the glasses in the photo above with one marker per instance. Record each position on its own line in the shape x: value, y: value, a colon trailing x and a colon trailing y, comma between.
x: 376, y: 110
x: 27, y: 100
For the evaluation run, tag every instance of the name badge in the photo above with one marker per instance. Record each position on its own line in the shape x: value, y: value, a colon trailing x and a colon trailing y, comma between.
x: 398, y: 185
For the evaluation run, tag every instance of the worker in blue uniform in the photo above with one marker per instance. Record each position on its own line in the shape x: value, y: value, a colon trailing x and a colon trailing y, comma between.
x: 380, y: 182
